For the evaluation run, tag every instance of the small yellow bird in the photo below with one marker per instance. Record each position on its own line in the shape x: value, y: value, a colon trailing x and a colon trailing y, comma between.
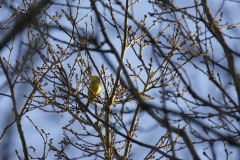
x: 94, y: 89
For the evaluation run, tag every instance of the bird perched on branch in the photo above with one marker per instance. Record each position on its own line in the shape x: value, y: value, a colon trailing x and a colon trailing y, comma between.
x: 94, y: 89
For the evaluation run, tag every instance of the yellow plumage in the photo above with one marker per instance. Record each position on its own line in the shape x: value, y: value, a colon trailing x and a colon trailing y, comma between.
x: 94, y: 89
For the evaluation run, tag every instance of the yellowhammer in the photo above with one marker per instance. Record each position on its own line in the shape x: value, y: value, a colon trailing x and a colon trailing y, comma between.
x: 94, y: 89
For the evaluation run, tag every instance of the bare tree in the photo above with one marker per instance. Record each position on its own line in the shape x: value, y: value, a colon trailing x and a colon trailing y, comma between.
x: 169, y: 71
